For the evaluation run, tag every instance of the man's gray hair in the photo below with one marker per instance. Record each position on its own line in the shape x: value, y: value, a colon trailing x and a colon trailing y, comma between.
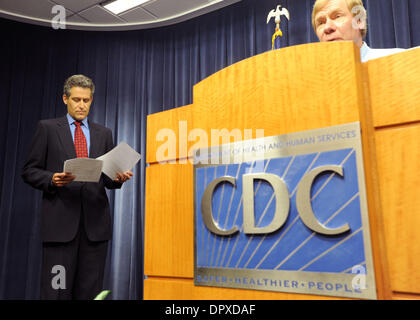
x: 78, y: 80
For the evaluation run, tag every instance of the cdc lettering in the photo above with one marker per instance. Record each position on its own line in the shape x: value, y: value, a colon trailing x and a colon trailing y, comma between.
x: 303, y: 203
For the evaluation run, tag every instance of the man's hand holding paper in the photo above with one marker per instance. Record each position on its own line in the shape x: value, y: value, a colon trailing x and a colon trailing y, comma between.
x: 123, y: 177
x: 116, y: 164
x: 60, y: 179
x: 84, y: 169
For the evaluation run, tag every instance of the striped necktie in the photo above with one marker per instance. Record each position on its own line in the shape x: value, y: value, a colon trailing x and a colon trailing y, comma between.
x: 80, y: 143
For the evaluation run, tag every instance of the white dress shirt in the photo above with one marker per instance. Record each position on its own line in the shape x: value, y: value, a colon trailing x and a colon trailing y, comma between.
x: 367, y: 53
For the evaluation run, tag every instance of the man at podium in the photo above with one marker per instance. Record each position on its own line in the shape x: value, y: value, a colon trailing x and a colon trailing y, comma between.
x: 336, y: 20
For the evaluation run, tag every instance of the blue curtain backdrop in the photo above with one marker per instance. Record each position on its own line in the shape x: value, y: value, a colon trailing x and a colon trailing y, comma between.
x: 136, y: 73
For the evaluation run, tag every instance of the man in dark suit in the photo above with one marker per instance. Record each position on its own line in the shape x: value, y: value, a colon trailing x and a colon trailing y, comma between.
x: 75, y: 216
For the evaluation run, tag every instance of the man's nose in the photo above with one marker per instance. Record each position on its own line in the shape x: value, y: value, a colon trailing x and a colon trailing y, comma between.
x: 329, y: 26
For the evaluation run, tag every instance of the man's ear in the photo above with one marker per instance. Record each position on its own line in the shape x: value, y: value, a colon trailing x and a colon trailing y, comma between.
x: 65, y: 98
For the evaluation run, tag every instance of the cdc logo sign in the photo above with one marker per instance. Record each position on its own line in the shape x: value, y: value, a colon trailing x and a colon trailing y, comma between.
x: 285, y: 213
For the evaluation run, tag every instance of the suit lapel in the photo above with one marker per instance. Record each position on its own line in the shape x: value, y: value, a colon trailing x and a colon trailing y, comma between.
x: 94, y: 141
x: 64, y: 134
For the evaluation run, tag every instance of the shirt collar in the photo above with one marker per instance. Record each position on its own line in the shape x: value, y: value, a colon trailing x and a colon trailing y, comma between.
x: 71, y: 121
x: 363, y: 51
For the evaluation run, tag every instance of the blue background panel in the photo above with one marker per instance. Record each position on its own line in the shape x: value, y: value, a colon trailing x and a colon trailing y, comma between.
x: 335, y: 201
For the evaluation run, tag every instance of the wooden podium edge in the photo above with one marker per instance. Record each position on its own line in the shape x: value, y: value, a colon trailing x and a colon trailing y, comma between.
x: 378, y: 242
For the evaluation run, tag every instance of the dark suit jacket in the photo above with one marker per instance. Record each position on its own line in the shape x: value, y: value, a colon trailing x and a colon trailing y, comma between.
x: 62, y: 207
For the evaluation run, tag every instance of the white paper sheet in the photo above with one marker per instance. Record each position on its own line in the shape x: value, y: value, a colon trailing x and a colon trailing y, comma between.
x: 120, y: 159
x: 85, y: 169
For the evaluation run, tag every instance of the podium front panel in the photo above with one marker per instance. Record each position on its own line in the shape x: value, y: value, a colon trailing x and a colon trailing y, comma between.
x: 285, y: 91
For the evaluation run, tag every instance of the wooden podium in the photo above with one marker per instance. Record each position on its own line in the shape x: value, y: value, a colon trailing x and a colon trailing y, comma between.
x: 294, y: 89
